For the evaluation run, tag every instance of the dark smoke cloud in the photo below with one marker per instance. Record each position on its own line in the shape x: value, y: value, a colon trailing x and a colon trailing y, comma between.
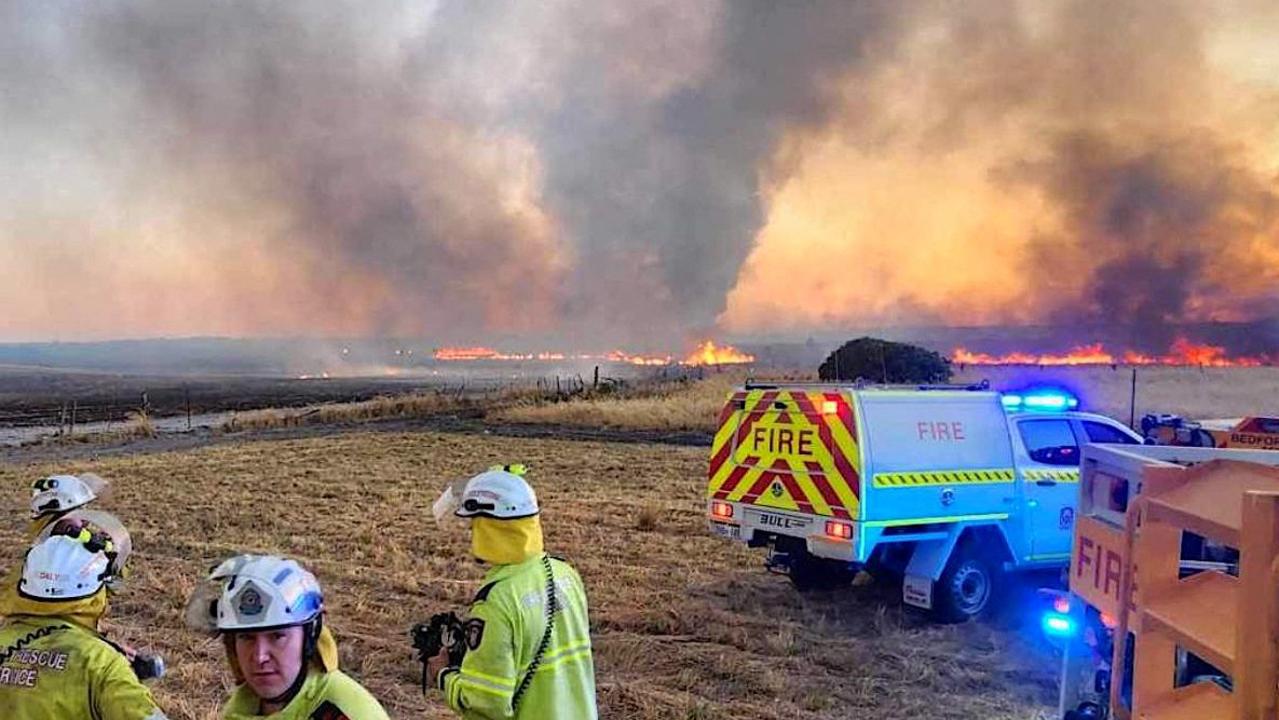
x: 1117, y: 119
x: 1147, y: 225
x: 668, y: 190
x: 379, y: 181
x: 462, y: 171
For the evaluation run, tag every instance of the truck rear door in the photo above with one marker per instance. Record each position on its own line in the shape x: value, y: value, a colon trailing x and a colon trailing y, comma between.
x: 788, y: 449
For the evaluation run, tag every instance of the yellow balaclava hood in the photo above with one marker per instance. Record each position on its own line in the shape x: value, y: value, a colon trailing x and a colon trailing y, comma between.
x: 85, y: 612
x: 506, y: 542
x: 325, y: 658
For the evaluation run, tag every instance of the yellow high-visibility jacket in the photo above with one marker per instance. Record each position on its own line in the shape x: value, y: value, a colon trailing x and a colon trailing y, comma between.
x: 56, y: 669
x: 329, y: 695
x: 504, y: 631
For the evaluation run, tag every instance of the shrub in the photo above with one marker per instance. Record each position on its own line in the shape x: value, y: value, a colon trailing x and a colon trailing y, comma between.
x: 885, y: 361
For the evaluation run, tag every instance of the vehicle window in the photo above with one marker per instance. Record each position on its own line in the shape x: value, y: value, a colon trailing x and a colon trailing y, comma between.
x: 1050, y: 441
x: 1264, y: 425
x: 1103, y: 433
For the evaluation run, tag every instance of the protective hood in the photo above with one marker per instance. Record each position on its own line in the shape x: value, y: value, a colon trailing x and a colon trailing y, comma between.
x: 325, y: 659
x: 85, y: 612
x: 506, y: 542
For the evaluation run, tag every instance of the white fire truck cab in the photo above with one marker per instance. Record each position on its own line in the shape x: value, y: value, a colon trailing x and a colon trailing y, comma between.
x: 951, y: 486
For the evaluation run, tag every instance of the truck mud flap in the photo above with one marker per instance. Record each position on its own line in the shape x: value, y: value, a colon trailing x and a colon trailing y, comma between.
x: 925, y: 567
x: 917, y: 591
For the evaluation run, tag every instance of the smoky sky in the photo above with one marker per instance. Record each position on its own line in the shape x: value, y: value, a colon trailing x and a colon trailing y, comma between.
x: 600, y: 173
x: 1148, y: 224
x: 453, y: 170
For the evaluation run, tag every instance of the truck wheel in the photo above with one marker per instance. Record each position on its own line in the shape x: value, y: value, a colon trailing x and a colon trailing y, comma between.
x: 966, y: 587
x: 810, y: 573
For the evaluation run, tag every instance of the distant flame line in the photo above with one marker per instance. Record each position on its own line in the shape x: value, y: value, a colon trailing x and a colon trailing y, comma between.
x: 706, y: 353
x: 1183, y: 352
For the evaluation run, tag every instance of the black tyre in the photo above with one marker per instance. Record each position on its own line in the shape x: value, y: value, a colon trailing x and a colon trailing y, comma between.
x: 967, y: 586
x: 809, y: 573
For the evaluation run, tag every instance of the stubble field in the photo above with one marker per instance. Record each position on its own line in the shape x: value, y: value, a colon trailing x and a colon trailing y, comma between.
x: 684, y: 625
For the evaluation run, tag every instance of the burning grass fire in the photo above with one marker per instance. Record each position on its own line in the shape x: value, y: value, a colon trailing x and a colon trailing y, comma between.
x: 1183, y: 352
x: 706, y: 353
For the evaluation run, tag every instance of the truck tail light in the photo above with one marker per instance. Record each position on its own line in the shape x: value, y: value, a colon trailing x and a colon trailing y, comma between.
x: 842, y: 531
x: 721, y: 510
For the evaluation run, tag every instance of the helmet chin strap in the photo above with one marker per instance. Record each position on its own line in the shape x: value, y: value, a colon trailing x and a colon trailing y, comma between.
x: 310, y: 641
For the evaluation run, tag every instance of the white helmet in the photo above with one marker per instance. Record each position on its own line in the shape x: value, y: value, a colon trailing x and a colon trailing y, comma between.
x: 60, y: 493
x: 253, y: 593
x: 499, y: 493
x: 74, y: 558
x: 95, y: 528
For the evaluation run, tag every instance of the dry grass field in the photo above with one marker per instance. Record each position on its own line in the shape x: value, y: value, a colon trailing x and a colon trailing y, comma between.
x: 691, y: 406
x: 685, y: 626
x: 1188, y: 391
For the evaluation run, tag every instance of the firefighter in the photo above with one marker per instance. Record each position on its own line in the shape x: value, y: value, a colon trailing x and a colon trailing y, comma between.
x: 270, y: 614
x: 54, y: 496
x: 528, y: 644
x: 54, y: 663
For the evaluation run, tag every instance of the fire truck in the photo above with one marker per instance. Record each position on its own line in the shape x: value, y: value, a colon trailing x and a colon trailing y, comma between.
x: 949, y: 487
x: 1250, y: 433
x: 1113, y: 625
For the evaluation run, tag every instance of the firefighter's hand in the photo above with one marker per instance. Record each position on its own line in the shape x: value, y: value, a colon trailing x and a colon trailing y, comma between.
x: 435, y: 665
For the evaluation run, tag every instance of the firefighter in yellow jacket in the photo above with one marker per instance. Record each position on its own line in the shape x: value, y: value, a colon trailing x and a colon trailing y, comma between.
x: 53, y: 661
x: 528, y: 643
x: 270, y: 614
x: 52, y: 498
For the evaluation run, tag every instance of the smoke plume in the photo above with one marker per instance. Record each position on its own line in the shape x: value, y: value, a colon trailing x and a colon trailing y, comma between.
x: 1073, y: 163
x: 633, y: 173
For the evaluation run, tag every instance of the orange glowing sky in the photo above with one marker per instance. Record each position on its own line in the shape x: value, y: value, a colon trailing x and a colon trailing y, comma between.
x: 927, y: 224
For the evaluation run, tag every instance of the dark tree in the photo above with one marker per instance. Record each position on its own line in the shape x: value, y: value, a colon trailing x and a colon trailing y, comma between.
x: 884, y: 361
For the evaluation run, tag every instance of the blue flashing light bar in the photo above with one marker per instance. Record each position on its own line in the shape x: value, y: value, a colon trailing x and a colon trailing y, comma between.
x: 1045, y: 400
x: 1060, y: 626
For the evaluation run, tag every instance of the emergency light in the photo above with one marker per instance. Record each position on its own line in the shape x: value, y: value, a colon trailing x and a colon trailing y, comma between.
x: 1047, y: 400
x: 1057, y: 623
x: 1058, y: 626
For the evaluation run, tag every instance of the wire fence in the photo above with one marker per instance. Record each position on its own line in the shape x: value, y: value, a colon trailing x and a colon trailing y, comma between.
x: 65, y: 416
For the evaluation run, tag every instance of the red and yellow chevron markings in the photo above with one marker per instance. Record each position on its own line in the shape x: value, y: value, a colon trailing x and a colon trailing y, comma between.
x: 787, y: 449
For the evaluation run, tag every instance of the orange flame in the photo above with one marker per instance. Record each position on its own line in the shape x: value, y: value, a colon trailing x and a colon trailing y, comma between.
x: 708, y: 353
x: 473, y: 354
x: 618, y: 356
x: 1182, y: 352
x: 458, y: 354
